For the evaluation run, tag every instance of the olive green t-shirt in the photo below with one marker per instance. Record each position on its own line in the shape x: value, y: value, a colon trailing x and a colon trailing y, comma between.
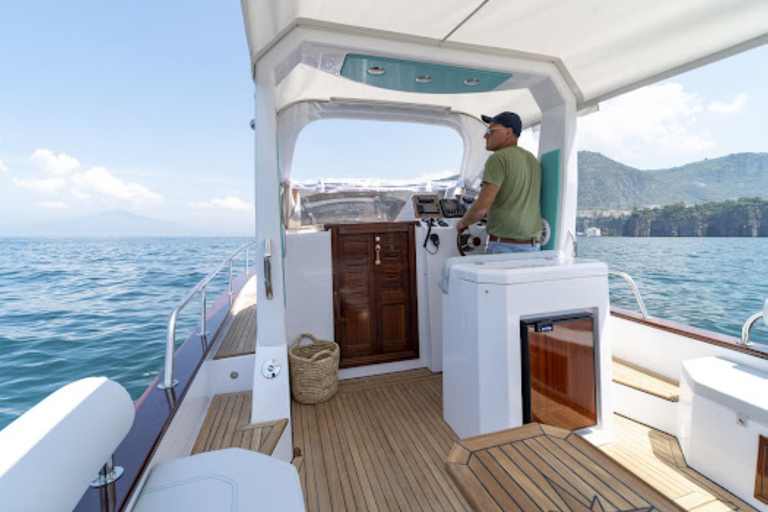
x: 516, y: 210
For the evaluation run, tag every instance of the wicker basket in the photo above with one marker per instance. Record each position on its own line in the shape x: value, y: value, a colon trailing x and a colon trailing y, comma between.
x: 314, y: 370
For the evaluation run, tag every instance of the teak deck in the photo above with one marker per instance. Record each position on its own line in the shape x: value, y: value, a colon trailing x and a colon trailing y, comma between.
x: 540, y: 468
x: 645, y: 380
x: 241, y: 335
x: 656, y: 457
x: 227, y: 425
x: 381, y: 443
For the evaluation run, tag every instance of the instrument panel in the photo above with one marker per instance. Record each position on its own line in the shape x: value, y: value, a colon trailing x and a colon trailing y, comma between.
x: 430, y: 206
x: 452, y: 208
x: 426, y: 206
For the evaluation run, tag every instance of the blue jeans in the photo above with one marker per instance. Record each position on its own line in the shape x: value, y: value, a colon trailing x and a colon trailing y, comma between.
x: 501, y: 248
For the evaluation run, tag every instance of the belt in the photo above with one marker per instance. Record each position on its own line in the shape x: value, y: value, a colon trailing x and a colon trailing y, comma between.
x: 527, y: 241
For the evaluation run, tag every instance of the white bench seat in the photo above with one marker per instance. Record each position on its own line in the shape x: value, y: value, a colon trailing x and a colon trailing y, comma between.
x: 228, y: 480
x: 741, y: 388
x: 722, y: 413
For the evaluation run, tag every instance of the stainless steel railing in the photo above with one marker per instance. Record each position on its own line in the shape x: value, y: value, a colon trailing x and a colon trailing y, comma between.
x: 638, y: 298
x: 170, y: 343
x: 751, y: 321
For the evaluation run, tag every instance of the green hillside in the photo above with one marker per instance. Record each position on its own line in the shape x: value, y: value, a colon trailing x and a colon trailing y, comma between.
x: 605, y: 184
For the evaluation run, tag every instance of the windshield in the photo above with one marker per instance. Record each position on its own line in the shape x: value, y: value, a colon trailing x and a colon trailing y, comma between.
x: 347, y: 171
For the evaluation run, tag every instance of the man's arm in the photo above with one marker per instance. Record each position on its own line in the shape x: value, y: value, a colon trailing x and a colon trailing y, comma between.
x: 480, y: 207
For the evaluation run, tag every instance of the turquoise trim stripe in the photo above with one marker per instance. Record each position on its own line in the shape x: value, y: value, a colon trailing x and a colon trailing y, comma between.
x: 402, y: 75
x: 550, y: 193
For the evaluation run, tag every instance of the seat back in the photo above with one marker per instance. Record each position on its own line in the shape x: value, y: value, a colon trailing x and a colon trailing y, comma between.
x: 49, y: 455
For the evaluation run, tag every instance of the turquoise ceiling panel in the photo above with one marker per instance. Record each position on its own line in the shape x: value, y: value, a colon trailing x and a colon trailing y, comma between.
x: 408, y: 76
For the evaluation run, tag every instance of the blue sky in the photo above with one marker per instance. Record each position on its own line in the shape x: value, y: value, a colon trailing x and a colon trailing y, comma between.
x: 144, y: 106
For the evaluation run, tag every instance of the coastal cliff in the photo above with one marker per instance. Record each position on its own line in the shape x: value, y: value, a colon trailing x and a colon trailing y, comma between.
x: 747, y: 217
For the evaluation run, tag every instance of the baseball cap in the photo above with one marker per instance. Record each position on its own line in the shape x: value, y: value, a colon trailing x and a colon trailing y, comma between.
x: 506, y: 119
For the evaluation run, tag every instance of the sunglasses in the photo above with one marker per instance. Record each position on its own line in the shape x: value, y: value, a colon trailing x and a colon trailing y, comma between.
x: 490, y: 130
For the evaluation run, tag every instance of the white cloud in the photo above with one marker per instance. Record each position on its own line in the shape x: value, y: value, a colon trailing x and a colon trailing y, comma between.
x: 228, y: 203
x: 734, y: 107
x: 53, y: 205
x: 77, y: 194
x: 3, y: 167
x: 57, y: 164
x: 649, y: 128
x: 99, y: 182
x: 49, y: 185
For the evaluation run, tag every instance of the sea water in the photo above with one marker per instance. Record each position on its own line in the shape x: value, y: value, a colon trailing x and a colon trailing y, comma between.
x: 73, y: 308
x: 710, y: 283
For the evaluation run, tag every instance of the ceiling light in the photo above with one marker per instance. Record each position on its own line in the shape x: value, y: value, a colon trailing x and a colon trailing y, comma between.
x: 376, y: 71
x: 472, y: 82
x: 423, y: 79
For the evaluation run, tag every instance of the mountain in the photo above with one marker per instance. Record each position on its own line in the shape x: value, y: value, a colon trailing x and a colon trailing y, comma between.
x: 113, y: 223
x: 605, y: 184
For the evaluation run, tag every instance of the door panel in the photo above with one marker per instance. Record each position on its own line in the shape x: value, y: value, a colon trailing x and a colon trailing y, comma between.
x: 562, y: 374
x: 394, y: 334
x: 357, y: 331
x: 375, y: 311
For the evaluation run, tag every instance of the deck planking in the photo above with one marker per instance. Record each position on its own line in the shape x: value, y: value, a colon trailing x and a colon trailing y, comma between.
x: 642, y: 379
x: 541, y: 468
x: 227, y: 425
x: 240, y: 339
x: 656, y: 457
x: 381, y: 442
x: 378, y: 445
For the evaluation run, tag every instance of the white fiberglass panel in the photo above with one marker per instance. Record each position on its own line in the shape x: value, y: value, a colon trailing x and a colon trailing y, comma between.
x: 266, y: 19
x: 512, y: 271
x: 604, y: 47
x: 739, y: 387
x: 608, y: 45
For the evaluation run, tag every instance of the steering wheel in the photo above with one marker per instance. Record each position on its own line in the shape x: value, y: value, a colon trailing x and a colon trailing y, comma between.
x: 469, y: 239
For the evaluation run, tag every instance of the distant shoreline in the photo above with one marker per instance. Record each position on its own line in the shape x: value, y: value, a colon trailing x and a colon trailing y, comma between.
x: 745, y: 218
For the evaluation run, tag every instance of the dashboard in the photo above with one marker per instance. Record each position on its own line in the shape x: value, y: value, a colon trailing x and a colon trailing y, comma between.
x: 430, y: 206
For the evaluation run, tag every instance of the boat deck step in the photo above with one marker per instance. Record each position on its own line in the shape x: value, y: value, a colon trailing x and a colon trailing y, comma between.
x: 642, y: 379
x: 240, y: 339
x: 227, y: 425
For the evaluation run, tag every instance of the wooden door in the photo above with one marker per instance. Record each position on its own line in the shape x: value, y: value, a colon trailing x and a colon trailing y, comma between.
x: 374, y: 292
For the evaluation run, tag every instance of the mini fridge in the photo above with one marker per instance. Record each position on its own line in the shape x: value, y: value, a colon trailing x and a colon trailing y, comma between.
x: 558, y: 377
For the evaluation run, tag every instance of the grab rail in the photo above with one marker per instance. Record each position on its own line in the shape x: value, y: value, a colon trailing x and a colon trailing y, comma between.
x: 751, y: 321
x: 628, y: 278
x: 170, y: 343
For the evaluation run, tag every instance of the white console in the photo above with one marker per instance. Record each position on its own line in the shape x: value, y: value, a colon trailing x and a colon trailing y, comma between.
x: 485, y: 299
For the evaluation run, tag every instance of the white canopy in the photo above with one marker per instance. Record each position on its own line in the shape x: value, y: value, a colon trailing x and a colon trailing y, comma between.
x: 601, y: 47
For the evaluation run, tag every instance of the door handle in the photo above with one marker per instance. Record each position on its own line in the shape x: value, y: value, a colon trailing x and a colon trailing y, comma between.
x: 378, y: 254
x: 268, y: 268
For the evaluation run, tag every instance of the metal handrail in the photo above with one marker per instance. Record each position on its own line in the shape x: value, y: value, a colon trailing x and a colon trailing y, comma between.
x: 750, y: 322
x: 628, y: 278
x: 170, y: 343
